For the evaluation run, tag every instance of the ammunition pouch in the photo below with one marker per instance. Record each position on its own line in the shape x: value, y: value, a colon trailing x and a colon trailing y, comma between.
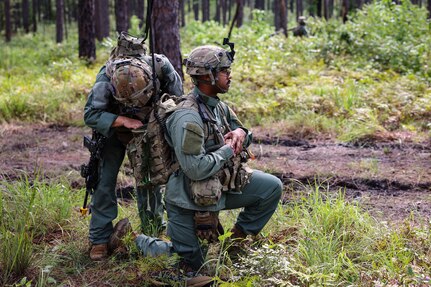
x: 162, y: 156
x: 235, y: 175
x: 206, y: 192
x: 208, y: 226
x: 138, y: 154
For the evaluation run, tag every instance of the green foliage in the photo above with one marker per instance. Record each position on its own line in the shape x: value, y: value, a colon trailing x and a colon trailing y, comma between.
x: 370, y: 75
x: 29, y: 210
x: 327, y: 241
x: 382, y: 35
x: 41, y: 80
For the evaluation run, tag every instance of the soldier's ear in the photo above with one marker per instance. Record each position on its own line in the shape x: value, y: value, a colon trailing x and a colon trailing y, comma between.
x: 204, y: 77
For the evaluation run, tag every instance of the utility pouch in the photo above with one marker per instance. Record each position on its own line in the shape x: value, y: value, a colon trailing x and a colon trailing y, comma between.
x: 243, y: 177
x: 138, y: 154
x: 237, y: 175
x: 206, y: 192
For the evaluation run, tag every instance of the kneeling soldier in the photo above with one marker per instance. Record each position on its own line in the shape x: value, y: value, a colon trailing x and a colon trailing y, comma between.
x: 210, y: 146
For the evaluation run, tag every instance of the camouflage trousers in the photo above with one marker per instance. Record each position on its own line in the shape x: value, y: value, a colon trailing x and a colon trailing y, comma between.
x: 104, y: 209
x: 259, y: 200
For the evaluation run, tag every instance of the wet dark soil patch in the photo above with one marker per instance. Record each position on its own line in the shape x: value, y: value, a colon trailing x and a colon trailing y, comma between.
x: 391, y: 178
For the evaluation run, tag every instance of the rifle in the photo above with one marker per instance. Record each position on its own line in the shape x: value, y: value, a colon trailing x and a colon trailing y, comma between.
x: 89, y: 171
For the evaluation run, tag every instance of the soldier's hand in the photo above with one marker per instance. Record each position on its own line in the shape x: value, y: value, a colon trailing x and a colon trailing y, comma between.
x: 237, y: 138
x: 126, y: 122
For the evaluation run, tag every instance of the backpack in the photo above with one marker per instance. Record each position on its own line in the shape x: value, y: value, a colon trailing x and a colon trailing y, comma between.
x: 131, y: 76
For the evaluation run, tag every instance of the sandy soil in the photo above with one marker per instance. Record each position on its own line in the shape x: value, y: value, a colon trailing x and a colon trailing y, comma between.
x: 391, y: 178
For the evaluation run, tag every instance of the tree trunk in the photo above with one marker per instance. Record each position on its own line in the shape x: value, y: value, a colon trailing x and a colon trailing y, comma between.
x: 130, y: 8
x: 39, y: 10
x: 140, y: 11
x: 259, y: 4
x: 87, y: 43
x: 330, y: 8
x: 240, y: 16
x: 429, y: 9
x: 217, y: 16
x: 280, y: 16
x: 229, y: 10
x: 26, y: 16
x: 326, y: 9
x: 48, y: 10
x: 97, y: 20
x: 205, y: 10
x: 166, y: 31
x: 223, y: 11
x: 8, y: 24
x: 121, y: 16
x: 196, y: 9
x: 59, y: 20
x: 319, y: 8
x: 183, y: 13
x: 344, y: 10
x: 64, y: 17
x: 33, y: 17
x: 16, y: 17
x: 299, y: 8
x: 101, y: 19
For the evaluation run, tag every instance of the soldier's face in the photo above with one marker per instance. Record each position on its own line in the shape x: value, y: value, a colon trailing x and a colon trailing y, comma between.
x: 223, y: 80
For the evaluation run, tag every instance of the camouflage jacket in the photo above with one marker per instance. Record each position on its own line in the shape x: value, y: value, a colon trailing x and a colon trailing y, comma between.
x: 196, y: 155
x: 101, y: 109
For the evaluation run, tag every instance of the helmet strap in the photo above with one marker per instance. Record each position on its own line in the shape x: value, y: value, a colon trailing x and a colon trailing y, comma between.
x: 213, y: 81
x: 220, y: 88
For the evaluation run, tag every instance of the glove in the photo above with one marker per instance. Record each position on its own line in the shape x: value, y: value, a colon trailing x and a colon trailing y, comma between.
x: 208, y: 226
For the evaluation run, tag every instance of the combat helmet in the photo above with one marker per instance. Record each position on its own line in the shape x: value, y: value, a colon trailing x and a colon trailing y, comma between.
x: 301, y: 20
x: 207, y: 60
x: 132, y: 82
x: 128, y: 45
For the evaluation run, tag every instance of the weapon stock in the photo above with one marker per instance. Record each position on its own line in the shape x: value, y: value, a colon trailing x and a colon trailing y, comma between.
x: 89, y: 171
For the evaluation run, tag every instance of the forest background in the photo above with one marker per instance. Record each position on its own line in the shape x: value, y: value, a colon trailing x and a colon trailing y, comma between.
x: 361, y: 77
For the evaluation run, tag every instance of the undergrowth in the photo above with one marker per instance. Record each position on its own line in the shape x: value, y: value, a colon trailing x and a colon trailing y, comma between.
x: 318, y: 238
x: 369, y: 76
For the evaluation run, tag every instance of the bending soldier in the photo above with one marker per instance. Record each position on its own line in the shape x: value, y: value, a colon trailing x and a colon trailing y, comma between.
x: 105, y: 113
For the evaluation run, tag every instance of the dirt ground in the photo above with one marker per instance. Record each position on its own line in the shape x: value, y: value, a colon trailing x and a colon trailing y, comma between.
x: 390, y: 178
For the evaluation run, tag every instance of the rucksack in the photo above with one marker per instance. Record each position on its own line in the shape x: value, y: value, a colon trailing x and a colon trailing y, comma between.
x: 131, y: 76
x: 152, y: 158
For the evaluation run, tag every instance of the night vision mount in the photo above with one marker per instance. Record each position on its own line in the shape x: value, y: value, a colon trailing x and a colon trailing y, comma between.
x: 231, y: 45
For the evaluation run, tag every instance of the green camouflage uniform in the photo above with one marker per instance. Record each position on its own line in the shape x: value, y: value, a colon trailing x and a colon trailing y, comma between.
x: 101, y: 110
x: 259, y: 198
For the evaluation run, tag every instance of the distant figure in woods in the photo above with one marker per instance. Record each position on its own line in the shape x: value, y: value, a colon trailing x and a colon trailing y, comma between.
x: 300, y: 30
x: 115, y: 116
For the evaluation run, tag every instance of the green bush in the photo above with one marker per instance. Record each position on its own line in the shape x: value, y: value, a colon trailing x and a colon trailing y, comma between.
x: 382, y: 35
x: 29, y: 210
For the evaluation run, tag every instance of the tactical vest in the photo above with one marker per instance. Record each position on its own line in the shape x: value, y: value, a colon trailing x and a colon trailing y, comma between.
x: 235, y: 174
x: 153, y: 159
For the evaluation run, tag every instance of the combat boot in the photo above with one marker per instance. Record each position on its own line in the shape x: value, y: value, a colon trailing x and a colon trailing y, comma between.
x: 99, y: 252
x: 237, y: 233
x: 121, y: 229
x: 238, y: 243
